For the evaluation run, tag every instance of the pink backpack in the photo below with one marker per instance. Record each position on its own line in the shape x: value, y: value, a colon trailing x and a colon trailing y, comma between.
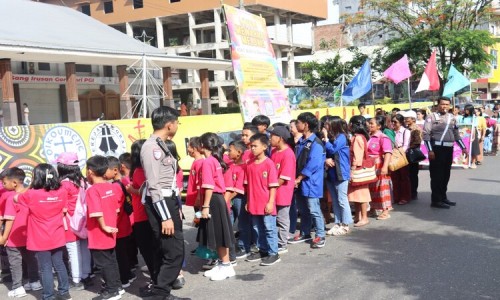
x: 78, y: 221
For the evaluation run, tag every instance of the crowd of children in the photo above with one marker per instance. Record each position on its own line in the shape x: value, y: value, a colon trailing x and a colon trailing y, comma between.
x: 98, y: 222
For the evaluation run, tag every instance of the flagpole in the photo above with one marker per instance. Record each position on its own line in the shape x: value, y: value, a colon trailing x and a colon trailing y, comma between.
x: 409, y: 91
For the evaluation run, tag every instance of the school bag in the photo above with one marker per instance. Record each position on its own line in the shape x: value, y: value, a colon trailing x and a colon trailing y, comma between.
x: 78, y: 221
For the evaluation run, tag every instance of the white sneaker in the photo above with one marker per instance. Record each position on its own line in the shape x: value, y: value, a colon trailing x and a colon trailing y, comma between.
x: 33, y: 286
x: 334, y: 229
x: 17, y: 293
x: 213, y: 270
x: 222, y: 273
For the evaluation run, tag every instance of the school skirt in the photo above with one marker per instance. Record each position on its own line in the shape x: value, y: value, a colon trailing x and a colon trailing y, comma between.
x: 380, y: 191
x: 217, y: 231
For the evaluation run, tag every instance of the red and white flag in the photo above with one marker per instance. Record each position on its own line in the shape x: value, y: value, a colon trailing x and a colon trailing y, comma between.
x: 430, y: 78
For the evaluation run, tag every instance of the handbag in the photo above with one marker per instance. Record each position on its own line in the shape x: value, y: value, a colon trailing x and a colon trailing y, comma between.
x: 398, y: 157
x: 414, y: 155
x: 366, y: 173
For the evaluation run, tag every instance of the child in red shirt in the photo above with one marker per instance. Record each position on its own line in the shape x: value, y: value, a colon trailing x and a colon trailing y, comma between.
x: 194, y: 179
x: 141, y: 229
x: 104, y: 201
x: 124, y: 228
x: 246, y: 133
x: 72, y: 180
x: 235, y: 192
x: 284, y: 159
x: 46, y: 202
x: 262, y: 180
x: 215, y: 231
x: 14, y: 236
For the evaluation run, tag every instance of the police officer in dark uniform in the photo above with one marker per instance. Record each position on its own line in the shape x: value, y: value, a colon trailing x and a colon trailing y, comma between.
x: 440, y: 133
x: 161, y: 205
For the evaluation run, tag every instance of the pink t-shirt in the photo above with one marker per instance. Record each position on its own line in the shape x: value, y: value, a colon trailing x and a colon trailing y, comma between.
x: 235, y: 178
x: 285, y: 164
x: 45, y: 218
x: 126, y: 181
x: 179, y: 180
x: 211, y: 176
x: 139, y: 213
x: 403, y: 137
x: 247, y: 156
x: 259, y: 178
x: 194, y: 184
x: 73, y: 192
x: 379, y: 144
x: 4, y: 194
x: 19, y: 213
x: 103, y: 200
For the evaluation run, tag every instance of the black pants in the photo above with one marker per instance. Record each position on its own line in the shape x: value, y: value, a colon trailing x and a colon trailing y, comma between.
x: 122, y: 258
x: 414, y: 179
x: 168, y: 250
x: 440, y: 169
x: 144, y: 239
x: 105, y: 260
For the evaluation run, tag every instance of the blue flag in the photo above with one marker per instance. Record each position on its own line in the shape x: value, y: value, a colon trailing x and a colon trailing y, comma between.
x: 456, y: 81
x: 359, y: 85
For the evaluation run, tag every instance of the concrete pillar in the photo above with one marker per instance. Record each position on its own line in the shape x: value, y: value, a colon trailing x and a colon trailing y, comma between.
x: 129, y: 29
x: 277, y: 53
x: 72, y: 93
x: 206, y: 106
x: 192, y: 31
x: 167, y: 87
x: 313, y: 28
x: 125, y: 103
x: 218, y: 26
x: 277, y: 23
x: 289, y: 29
x: 221, y: 93
x: 8, y: 104
x: 159, y: 33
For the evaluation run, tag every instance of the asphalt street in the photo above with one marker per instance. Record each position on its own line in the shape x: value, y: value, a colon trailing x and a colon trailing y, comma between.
x: 419, y: 253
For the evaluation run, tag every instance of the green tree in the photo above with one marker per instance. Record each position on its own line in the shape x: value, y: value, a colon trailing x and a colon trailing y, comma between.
x: 454, y: 28
x: 327, y: 74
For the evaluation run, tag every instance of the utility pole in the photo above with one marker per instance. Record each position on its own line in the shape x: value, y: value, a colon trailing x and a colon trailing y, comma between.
x: 241, y: 4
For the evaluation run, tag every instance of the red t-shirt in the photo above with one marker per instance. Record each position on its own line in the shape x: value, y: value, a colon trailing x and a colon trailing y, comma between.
x: 235, y: 176
x: 4, y: 194
x: 123, y: 223
x: 259, y: 178
x: 126, y: 181
x: 139, y: 213
x: 19, y: 213
x: 285, y: 164
x: 45, y: 218
x: 247, y: 156
x: 194, y: 182
x: 103, y: 200
x: 211, y: 176
x: 73, y: 192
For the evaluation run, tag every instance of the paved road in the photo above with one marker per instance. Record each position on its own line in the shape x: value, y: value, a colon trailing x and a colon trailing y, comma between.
x: 420, y: 253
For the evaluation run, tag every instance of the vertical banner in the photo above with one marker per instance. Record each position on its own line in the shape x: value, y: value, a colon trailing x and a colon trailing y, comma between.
x: 259, y: 81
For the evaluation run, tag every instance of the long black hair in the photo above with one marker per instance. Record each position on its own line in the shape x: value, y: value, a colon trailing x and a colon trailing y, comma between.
x: 358, y: 126
x: 469, y: 111
x: 45, y: 177
x: 173, y: 151
x: 337, y: 126
x: 135, y: 156
x: 380, y: 121
x: 211, y: 142
x: 72, y: 173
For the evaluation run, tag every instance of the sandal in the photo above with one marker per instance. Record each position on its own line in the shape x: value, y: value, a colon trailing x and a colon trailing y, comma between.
x: 384, y: 216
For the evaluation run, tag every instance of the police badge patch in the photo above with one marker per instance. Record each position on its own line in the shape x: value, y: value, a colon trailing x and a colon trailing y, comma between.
x: 157, y: 153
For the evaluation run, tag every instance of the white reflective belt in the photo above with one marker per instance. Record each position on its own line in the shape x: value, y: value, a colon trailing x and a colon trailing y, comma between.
x: 446, y: 144
x: 446, y: 129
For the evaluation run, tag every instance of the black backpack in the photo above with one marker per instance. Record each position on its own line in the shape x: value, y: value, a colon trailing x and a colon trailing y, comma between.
x: 302, y: 158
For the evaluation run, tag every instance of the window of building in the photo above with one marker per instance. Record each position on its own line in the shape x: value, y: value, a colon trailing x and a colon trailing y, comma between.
x: 138, y: 4
x: 494, y: 61
x: 83, y: 68
x: 108, y: 71
x: 85, y: 8
x: 43, y: 66
x: 108, y: 7
x: 348, y: 8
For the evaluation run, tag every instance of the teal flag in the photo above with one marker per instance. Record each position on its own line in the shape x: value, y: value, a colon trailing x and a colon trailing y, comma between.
x: 456, y: 81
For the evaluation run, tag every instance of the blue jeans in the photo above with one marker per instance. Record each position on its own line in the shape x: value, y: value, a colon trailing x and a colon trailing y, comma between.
x: 341, y: 208
x: 310, y: 211
x: 267, y: 231
x: 293, y: 214
x: 247, y: 232
x: 236, y: 207
x: 47, y: 260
